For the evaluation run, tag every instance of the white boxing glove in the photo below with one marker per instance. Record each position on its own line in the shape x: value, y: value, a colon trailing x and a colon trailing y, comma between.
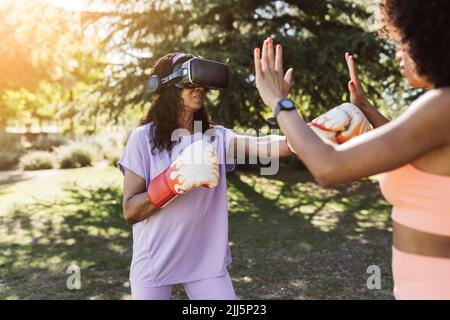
x: 341, y: 123
x: 196, y: 166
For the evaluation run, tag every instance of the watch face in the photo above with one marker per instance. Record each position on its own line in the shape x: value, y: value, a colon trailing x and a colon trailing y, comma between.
x: 287, y: 104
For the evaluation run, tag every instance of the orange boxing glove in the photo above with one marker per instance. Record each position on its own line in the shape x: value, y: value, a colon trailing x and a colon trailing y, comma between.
x: 196, y: 166
x: 341, y: 123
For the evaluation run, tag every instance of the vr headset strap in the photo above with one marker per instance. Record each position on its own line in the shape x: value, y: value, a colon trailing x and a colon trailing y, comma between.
x: 173, y: 77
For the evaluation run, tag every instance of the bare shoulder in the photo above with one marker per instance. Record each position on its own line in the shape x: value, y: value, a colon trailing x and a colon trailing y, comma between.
x: 443, y: 99
x: 433, y: 108
x: 437, y: 106
x: 444, y: 92
x: 438, y: 98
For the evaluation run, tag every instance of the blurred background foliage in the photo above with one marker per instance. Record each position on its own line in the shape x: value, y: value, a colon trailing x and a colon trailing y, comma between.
x: 83, y: 68
x: 73, y: 78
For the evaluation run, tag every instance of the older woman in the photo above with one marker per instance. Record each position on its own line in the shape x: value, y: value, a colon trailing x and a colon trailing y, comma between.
x: 413, y: 150
x: 180, y: 228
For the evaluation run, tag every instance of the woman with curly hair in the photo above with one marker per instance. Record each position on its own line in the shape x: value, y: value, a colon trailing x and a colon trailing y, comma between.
x: 412, y: 151
x: 180, y: 228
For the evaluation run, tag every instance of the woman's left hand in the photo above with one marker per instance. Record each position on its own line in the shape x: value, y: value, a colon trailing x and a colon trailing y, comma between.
x: 272, y: 85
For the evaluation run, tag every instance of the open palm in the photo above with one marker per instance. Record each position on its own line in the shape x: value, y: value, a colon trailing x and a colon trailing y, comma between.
x: 357, y: 95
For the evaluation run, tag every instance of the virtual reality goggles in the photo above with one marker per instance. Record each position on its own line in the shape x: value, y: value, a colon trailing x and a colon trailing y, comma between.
x: 196, y: 72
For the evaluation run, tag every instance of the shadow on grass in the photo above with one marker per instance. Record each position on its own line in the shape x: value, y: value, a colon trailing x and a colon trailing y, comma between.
x: 10, y: 177
x: 289, y: 239
x: 299, y: 241
x: 41, y: 240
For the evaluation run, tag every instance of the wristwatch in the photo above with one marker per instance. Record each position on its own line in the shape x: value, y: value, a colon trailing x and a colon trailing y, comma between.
x: 283, y: 104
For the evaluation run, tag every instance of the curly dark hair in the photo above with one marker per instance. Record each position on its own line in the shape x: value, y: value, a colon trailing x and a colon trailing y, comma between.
x: 165, y: 110
x: 423, y: 29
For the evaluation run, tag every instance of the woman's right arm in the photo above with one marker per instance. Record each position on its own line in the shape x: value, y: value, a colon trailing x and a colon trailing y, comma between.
x: 359, y: 99
x: 136, y: 206
x: 421, y: 129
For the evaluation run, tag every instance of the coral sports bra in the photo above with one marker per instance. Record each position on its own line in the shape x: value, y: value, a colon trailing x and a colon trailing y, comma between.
x: 420, y: 200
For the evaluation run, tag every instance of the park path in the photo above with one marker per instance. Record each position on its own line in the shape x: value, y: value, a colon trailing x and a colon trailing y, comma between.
x: 13, y: 176
x: 18, y: 186
x: 8, y: 177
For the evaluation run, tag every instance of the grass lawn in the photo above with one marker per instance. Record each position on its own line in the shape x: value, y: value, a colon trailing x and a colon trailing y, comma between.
x: 290, y: 239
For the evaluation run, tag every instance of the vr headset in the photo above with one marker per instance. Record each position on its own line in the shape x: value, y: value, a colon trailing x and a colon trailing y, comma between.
x: 196, y: 72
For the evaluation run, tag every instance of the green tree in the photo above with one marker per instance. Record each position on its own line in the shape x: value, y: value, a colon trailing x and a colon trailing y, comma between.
x: 51, y: 69
x: 315, y: 35
x: 38, y: 42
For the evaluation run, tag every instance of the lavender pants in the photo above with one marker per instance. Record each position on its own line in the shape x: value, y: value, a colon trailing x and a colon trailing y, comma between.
x: 219, y: 288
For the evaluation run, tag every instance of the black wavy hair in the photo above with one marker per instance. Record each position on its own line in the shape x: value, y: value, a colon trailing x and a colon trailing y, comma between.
x: 165, y: 110
x: 423, y: 29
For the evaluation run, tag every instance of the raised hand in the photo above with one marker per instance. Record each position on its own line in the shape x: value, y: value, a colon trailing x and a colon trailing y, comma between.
x: 358, y: 98
x: 357, y: 95
x: 271, y: 83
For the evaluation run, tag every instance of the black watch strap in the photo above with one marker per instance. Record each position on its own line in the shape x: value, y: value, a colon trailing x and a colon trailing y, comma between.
x: 279, y: 107
x: 277, y: 110
x: 272, y: 121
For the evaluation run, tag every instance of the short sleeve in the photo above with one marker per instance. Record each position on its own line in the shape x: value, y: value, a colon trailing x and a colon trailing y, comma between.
x: 132, y: 157
x: 230, y: 161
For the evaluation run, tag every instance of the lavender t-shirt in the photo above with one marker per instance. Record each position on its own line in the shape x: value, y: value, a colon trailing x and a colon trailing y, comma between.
x: 188, y: 239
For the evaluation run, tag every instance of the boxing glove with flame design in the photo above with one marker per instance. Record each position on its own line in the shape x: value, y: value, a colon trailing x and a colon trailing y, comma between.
x: 196, y: 166
x: 339, y: 124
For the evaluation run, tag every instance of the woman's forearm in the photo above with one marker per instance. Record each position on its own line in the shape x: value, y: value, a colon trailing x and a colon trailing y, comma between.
x: 137, y: 208
x: 273, y: 146
x: 374, y: 116
x: 383, y: 149
x: 380, y: 150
